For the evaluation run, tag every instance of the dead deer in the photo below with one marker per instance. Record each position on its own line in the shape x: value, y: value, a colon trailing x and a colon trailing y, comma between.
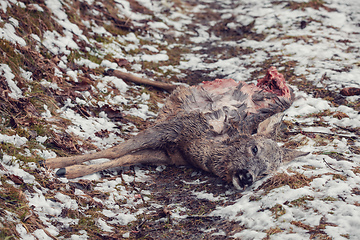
x: 224, y: 127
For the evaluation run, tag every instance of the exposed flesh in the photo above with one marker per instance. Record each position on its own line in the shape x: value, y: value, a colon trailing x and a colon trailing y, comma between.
x: 224, y: 100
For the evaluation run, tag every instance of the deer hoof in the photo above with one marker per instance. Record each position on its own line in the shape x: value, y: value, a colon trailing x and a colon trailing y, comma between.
x: 61, y: 172
x: 42, y: 163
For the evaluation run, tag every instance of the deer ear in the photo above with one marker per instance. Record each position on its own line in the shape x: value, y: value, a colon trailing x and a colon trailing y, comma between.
x: 269, y: 127
x: 290, y: 154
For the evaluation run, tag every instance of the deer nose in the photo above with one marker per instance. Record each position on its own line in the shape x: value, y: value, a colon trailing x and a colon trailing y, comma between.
x: 242, y: 178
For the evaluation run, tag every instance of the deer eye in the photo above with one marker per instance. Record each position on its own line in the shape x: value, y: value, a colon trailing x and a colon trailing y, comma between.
x: 254, y: 150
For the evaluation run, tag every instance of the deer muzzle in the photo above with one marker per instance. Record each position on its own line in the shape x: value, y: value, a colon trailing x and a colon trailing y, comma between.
x: 242, y: 178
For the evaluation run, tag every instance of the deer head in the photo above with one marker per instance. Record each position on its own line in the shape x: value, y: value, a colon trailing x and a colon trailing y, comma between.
x: 254, y: 156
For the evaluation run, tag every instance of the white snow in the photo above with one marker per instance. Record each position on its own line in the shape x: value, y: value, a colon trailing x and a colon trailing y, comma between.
x: 328, y: 46
x: 58, y: 44
x: 5, y: 71
x: 162, y: 56
x: 8, y: 33
x: 14, y: 139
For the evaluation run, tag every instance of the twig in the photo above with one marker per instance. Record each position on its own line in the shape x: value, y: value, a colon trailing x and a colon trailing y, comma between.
x: 342, y: 171
x: 327, y: 164
x: 138, y: 227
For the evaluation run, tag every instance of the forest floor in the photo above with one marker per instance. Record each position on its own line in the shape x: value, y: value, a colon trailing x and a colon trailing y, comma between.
x: 57, y: 100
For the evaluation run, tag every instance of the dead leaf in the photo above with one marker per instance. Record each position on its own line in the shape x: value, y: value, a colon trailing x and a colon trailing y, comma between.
x: 16, y: 179
x: 122, y: 62
x: 350, y: 91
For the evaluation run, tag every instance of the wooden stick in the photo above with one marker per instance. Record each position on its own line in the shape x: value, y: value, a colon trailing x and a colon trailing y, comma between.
x: 146, y: 156
x: 138, y: 80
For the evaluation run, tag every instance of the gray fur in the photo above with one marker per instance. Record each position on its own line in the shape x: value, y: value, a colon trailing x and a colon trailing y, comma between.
x: 229, y: 132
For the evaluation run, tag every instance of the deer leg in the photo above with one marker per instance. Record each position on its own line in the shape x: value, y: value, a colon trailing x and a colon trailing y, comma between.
x: 61, y: 162
x: 152, y: 138
x: 156, y: 137
x: 156, y: 157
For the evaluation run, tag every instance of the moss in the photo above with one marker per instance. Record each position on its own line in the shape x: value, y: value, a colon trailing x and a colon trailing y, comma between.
x: 93, y: 58
x: 36, y: 22
x: 300, y: 202
x: 74, y: 55
x: 41, y: 129
x: 19, y: 153
x: 22, y: 132
x: 294, y: 181
x: 102, y: 39
x: 10, y: 194
x: 10, y: 56
x: 330, y: 199
x: 9, y: 149
x: 175, y: 55
x: 14, y: 201
x: 86, y: 223
x: 7, y: 234
x: 277, y: 210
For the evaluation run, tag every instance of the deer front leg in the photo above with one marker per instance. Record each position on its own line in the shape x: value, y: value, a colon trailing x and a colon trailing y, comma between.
x: 156, y: 157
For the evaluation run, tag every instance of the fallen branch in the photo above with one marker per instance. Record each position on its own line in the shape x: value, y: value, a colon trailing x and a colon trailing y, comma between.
x: 138, y: 80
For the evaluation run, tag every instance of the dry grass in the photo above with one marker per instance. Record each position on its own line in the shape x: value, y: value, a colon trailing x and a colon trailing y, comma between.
x: 294, y: 181
x: 23, y: 117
